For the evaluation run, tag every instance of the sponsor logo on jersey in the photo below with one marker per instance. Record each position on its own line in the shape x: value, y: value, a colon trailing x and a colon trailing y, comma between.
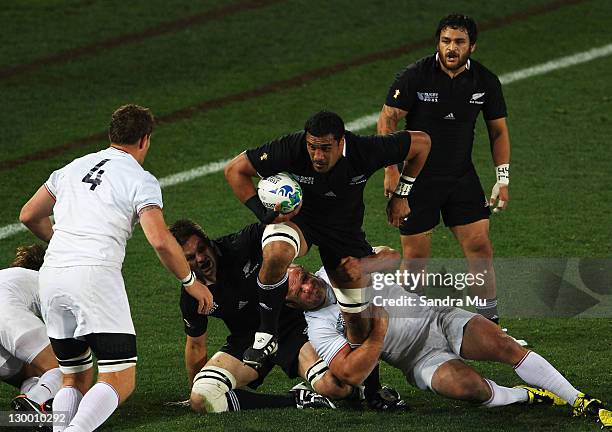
x: 248, y: 270
x: 340, y: 324
x: 427, y: 97
x: 265, y: 306
x: 358, y: 180
x: 242, y: 303
x: 330, y: 194
x: 303, y: 179
x: 213, y: 309
x: 476, y: 98
x: 397, y: 93
x: 450, y: 116
x: 263, y: 156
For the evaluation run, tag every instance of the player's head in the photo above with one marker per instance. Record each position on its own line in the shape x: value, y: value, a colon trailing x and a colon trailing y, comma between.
x: 197, y: 247
x: 306, y: 291
x: 324, y: 140
x: 131, y: 126
x: 29, y: 257
x: 456, y: 40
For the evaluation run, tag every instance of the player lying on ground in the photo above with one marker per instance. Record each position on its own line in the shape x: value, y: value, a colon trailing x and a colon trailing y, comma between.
x: 228, y: 265
x: 332, y: 167
x: 429, y: 345
x: 26, y: 358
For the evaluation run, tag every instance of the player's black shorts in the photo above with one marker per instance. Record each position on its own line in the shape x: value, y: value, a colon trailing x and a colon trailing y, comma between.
x: 292, y: 337
x: 334, y: 244
x: 111, y: 349
x: 461, y: 201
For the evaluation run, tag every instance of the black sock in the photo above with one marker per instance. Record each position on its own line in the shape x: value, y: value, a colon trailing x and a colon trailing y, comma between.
x: 489, y: 310
x: 238, y: 400
x: 372, y: 383
x: 272, y: 297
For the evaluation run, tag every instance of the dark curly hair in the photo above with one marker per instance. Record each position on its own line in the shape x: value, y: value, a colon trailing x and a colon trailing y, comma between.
x: 29, y: 257
x: 459, y: 21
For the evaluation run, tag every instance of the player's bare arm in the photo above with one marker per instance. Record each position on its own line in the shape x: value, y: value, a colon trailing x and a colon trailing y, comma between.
x: 35, y: 214
x: 383, y: 260
x: 196, y: 354
x: 398, y: 208
x: 352, y: 366
x: 388, y: 119
x: 171, y: 255
x: 499, y: 139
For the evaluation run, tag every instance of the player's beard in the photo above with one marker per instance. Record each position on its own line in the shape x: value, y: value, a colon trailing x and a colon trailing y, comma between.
x: 462, y: 60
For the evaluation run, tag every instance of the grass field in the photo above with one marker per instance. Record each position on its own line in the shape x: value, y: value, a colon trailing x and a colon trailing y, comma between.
x: 225, y: 76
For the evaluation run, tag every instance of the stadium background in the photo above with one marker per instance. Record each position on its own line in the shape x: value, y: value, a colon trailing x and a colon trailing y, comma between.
x: 224, y: 76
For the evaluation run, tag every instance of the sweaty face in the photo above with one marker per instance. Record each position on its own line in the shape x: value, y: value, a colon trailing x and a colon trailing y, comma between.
x: 306, y: 291
x: 454, y: 48
x: 324, y: 151
x: 201, y: 258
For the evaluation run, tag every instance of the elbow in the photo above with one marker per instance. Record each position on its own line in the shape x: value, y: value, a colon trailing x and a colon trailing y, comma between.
x: 425, y: 142
x: 161, y: 243
x: 26, y: 217
x: 350, y: 376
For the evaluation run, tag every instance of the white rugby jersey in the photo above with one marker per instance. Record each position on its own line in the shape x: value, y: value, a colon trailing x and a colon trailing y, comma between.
x: 20, y: 285
x: 98, y: 199
x: 406, y: 334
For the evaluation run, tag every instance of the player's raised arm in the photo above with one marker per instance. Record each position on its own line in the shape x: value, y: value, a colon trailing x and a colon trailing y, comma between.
x: 35, y: 214
x: 353, y: 365
x: 499, y: 137
x: 171, y: 255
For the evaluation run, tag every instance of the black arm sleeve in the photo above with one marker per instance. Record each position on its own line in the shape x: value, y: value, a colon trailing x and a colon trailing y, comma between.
x: 495, y: 105
x: 402, y: 93
x: 378, y: 151
x: 276, y: 156
x: 243, y: 245
x: 195, y: 323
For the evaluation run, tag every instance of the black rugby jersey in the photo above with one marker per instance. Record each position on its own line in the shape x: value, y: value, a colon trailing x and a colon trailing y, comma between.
x: 235, y: 292
x: 333, y: 199
x: 446, y: 108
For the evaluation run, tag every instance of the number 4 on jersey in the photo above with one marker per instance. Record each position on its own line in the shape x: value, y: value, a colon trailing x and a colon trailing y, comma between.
x: 89, y: 177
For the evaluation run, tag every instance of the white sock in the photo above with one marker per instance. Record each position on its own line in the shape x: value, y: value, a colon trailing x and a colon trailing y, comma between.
x: 96, y: 407
x: 27, y: 384
x: 66, y: 401
x: 501, y: 396
x: 535, y: 370
x: 48, y: 385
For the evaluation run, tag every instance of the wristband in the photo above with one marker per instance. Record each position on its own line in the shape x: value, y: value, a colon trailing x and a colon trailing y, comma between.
x: 188, y: 280
x: 404, y: 186
x: 263, y: 214
x: 503, y: 174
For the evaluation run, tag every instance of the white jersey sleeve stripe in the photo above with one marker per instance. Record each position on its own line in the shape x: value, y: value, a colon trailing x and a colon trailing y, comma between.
x: 49, y: 192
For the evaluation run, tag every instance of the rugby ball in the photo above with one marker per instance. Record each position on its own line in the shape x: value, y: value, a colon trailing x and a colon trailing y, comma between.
x: 280, y: 188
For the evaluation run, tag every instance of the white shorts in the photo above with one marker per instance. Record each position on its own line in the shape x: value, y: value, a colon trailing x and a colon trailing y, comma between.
x: 81, y: 300
x: 22, y: 336
x: 443, y: 344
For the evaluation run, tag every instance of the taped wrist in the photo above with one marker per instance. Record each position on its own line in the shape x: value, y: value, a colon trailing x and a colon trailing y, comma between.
x: 404, y: 186
x: 188, y: 280
x: 260, y: 211
x: 316, y: 372
x: 503, y: 174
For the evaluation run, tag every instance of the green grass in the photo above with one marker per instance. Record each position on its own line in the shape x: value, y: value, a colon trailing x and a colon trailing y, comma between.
x: 560, y: 197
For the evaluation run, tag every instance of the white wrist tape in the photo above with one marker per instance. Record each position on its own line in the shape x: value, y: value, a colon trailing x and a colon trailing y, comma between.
x: 503, y: 174
x: 188, y: 280
x: 404, y: 186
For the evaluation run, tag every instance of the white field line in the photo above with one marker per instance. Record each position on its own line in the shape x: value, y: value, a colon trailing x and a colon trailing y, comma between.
x: 370, y: 120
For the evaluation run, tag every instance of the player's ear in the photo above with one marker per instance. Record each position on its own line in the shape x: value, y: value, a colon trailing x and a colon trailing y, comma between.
x: 472, y: 48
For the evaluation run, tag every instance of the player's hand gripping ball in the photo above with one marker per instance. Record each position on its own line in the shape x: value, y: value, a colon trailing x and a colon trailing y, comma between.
x: 280, y: 188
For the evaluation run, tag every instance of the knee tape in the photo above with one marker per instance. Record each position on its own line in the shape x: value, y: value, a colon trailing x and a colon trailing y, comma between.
x: 211, y: 384
x: 316, y: 372
x: 281, y: 232
x: 77, y: 364
x: 353, y: 300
